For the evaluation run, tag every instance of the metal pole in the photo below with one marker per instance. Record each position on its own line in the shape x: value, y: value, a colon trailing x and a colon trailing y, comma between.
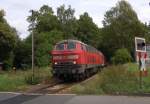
x: 32, y: 55
x: 141, y: 79
x: 140, y: 72
x: 32, y: 50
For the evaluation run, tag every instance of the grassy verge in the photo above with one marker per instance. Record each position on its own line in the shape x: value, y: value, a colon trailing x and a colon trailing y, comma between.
x: 17, y: 81
x: 145, y: 79
x: 121, y: 79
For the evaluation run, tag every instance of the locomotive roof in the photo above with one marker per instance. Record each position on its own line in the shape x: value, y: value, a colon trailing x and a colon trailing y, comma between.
x: 71, y: 40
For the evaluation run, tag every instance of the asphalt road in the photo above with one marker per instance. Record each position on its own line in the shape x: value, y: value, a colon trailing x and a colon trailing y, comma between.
x: 11, y: 98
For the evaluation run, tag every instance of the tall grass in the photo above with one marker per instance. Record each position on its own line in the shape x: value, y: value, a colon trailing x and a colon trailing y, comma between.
x: 112, y: 80
x: 10, y: 81
x: 133, y: 67
x: 117, y: 79
x: 16, y: 81
x: 90, y: 87
x: 40, y: 75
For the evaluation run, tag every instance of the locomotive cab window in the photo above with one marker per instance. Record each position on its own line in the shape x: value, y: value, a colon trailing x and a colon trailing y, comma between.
x: 60, y: 46
x: 71, y: 45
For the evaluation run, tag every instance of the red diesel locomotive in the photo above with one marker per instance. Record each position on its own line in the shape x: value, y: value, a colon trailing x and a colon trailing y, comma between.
x: 72, y: 58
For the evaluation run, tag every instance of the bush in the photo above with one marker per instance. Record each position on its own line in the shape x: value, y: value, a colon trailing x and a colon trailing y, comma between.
x: 121, y: 56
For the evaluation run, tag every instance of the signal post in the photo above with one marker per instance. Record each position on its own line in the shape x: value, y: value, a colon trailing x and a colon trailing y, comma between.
x: 140, y: 49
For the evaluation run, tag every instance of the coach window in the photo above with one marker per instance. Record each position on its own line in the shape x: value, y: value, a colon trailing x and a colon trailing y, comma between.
x: 71, y: 45
x: 91, y: 49
x: 60, y: 46
x: 88, y: 48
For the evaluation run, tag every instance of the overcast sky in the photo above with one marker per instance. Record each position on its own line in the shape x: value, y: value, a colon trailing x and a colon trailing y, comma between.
x: 18, y: 10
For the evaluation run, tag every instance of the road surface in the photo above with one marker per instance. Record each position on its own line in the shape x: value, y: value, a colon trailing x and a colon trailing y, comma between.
x: 18, y: 98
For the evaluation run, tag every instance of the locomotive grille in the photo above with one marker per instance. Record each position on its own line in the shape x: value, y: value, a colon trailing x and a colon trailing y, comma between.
x: 65, y: 65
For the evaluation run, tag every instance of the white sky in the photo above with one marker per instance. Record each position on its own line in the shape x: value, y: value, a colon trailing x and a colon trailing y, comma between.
x: 18, y: 10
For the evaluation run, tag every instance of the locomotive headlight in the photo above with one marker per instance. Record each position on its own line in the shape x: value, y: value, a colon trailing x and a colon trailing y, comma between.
x: 73, y: 57
x: 74, y: 62
x: 55, y: 63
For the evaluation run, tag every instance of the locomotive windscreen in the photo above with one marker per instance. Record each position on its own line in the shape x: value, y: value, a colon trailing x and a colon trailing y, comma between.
x: 71, y: 45
x: 60, y: 46
x: 66, y: 45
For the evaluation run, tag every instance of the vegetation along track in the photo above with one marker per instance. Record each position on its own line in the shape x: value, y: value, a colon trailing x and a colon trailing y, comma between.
x: 55, y: 86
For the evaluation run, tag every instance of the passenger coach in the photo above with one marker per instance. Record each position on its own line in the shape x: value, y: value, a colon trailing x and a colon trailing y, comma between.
x: 72, y: 58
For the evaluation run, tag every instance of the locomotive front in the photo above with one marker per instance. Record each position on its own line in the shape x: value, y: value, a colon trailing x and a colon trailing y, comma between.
x: 66, y: 58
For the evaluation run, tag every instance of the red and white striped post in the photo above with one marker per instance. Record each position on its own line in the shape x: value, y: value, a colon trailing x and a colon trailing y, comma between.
x: 142, y: 63
x: 140, y: 49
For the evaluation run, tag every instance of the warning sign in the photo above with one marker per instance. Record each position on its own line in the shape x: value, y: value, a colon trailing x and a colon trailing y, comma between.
x: 139, y: 47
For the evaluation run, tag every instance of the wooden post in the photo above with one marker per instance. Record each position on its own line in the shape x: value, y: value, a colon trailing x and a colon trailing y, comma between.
x: 32, y: 48
x: 141, y: 84
x: 140, y: 71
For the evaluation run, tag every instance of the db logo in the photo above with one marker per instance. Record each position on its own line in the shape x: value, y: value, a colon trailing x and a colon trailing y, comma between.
x: 64, y: 57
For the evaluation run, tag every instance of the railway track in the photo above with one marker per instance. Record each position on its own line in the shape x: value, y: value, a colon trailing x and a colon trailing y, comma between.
x: 55, y: 86
x: 41, y: 87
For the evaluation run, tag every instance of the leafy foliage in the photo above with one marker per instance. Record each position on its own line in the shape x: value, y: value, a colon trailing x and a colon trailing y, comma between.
x: 67, y: 21
x: 121, y: 25
x: 43, y: 20
x: 88, y: 31
x: 7, y: 43
x: 44, y: 44
x: 22, y: 53
x: 121, y: 56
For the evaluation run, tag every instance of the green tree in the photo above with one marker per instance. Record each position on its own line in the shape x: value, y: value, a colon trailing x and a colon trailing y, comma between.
x: 43, y: 46
x: 88, y: 31
x: 121, y: 25
x: 46, y: 29
x: 44, y: 20
x: 8, y: 41
x: 22, y: 53
x: 67, y: 21
x: 147, y: 35
x: 45, y: 42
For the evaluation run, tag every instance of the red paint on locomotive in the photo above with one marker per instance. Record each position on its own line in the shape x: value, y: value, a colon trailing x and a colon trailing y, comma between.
x: 74, y: 57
